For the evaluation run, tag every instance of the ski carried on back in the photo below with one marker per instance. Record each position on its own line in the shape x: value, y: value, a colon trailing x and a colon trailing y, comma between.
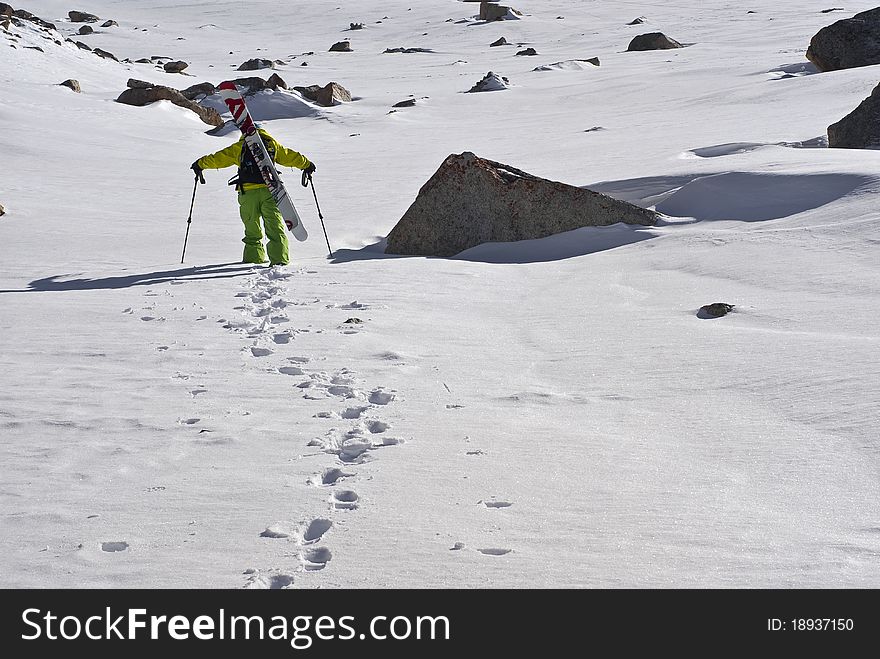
x: 252, y: 140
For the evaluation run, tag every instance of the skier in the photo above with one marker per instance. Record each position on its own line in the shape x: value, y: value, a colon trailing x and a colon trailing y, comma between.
x: 254, y: 198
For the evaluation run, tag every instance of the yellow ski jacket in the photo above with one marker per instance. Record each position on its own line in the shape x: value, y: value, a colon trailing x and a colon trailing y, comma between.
x: 231, y: 155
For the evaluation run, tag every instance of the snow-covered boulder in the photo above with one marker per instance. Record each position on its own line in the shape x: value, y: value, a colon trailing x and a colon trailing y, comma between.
x: 848, y: 43
x: 860, y: 129
x: 471, y: 200
x: 491, y: 82
x: 330, y: 94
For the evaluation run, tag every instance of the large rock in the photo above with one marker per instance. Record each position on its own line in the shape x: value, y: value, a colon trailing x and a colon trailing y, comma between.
x: 471, y: 200
x: 85, y: 29
x: 5, y: 10
x: 860, y: 129
x: 82, y: 17
x: 653, y: 41
x: 341, y: 47
x: 848, y: 43
x: 140, y: 96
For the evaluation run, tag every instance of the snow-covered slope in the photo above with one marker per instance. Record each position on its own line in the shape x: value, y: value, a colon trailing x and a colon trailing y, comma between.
x: 545, y: 413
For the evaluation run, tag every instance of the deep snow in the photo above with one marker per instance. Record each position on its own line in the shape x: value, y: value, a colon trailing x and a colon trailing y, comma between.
x: 541, y: 414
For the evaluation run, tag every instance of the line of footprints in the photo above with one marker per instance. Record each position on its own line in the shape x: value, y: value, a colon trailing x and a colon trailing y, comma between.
x: 263, y: 317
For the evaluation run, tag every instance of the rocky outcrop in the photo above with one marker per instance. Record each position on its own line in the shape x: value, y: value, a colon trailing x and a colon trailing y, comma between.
x: 175, y: 66
x: 341, y: 47
x: 848, y: 43
x: 471, y: 200
x: 653, y: 41
x: 491, y: 82
x: 256, y: 64
x: 82, y: 17
x: 71, y: 84
x: 860, y: 129
x: 27, y: 16
x: 330, y: 94
x: 138, y: 94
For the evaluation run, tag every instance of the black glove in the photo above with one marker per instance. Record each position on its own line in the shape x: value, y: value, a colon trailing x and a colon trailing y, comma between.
x: 307, y: 174
x: 198, y: 170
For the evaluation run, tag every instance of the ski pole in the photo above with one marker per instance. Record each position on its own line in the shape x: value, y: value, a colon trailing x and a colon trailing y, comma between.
x: 318, y: 206
x: 199, y: 178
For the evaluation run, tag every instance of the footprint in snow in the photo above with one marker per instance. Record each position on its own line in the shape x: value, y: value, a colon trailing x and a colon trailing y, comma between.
x: 316, y: 558
x: 494, y: 551
x: 330, y: 476
x: 114, y: 546
x: 188, y: 422
x: 344, y: 500
x: 274, y: 531
x: 256, y: 351
x: 258, y: 581
x: 377, y: 427
x: 496, y: 504
x: 353, y: 412
x: 315, y: 531
x: 291, y: 370
x: 380, y: 397
x: 283, y: 338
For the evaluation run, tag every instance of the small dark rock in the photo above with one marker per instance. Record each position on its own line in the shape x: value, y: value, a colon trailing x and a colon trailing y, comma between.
x: 341, y: 47
x: 653, y: 41
x: 528, y: 51
x: 143, y: 60
x: 715, y: 310
x: 81, y: 45
x: 72, y: 84
x: 408, y: 103
x: 256, y: 64
x: 501, y: 42
x: 828, y: 11
x: 355, y: 26
x: 353, y: 321
x: 82, y: 17
x: 109, y: 24
x: 105, y: 54
x: 638, y: 21
x: 199, y: 91
x: 175, y: 67
x: 85, y: 29
x: 2, y: 210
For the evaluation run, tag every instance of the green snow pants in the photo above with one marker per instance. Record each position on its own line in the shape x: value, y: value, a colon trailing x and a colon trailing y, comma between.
x: 254, y: 204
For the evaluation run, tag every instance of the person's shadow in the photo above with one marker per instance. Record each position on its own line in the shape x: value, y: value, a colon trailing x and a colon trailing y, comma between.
x: 192, y: 273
